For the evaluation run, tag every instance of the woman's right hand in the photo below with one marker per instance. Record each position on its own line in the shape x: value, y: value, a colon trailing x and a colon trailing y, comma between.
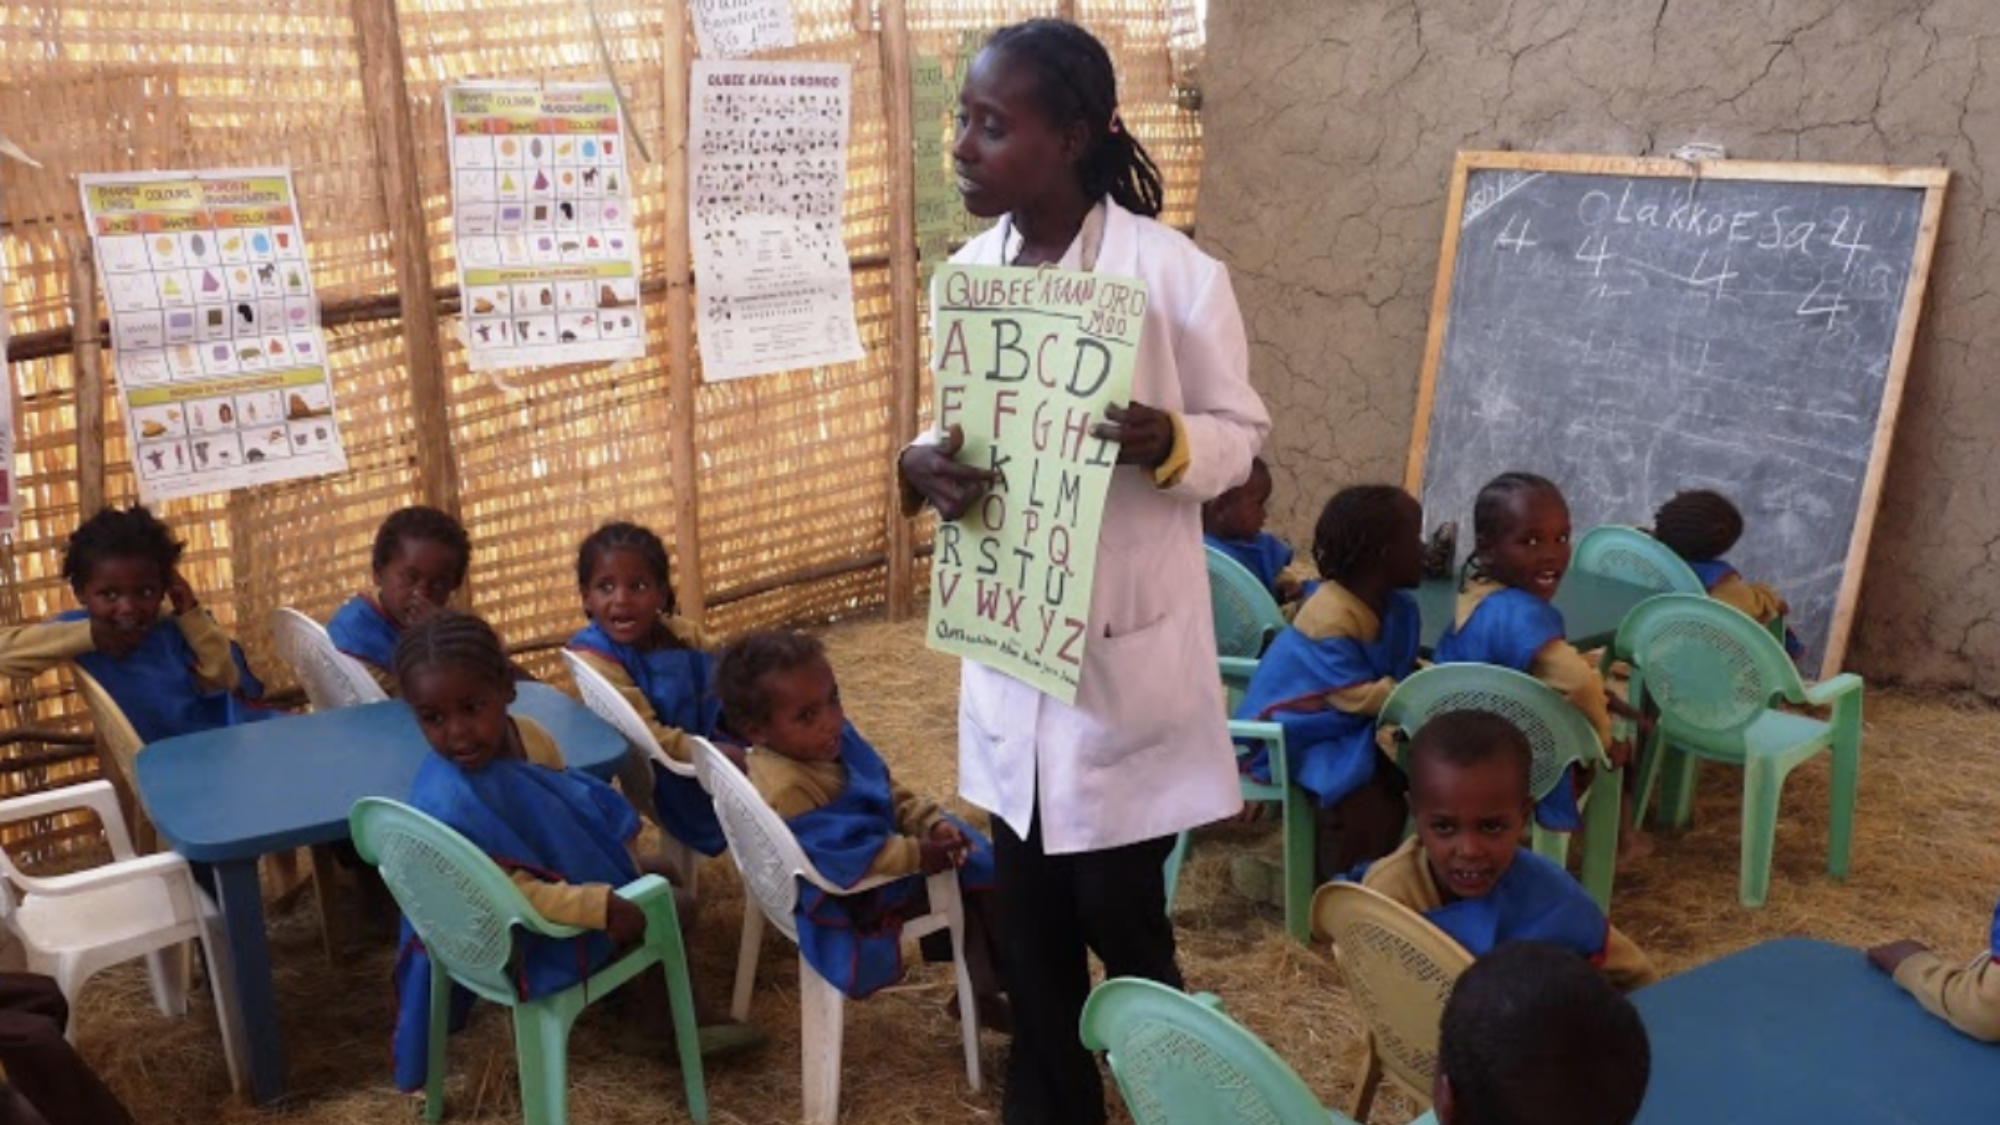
x: 951, y: 486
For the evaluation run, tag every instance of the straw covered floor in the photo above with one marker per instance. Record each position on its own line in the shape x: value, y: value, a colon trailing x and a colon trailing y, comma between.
x: 1925, y: 865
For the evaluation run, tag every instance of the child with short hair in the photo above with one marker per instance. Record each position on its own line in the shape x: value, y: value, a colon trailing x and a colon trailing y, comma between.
x: 170, y: 674
x: 853, y: 820
x: 420, y: 558
x: 1965, y: 996
x: 1701, y: 525
x: 1233, y: 523
x: 1325, y: 678
x: 1466, y: 871
x: 1532, y: 1037
x: 1521, y: 533
x: 658, y: 662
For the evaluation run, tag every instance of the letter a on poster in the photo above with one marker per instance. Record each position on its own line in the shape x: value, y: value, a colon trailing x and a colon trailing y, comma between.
x: 1025, y: 364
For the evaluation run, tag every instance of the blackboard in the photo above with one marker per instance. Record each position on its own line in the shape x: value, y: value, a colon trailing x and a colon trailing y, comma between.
x: 1633, y: 327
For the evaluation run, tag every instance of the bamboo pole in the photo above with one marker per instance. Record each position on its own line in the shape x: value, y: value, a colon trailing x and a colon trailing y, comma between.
x: 894, y: 42
x: 688, y: 588
x: 388, y: 100
x: 88, y: 343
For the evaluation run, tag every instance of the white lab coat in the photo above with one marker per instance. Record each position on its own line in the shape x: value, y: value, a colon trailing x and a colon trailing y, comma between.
x: 1145, y: 751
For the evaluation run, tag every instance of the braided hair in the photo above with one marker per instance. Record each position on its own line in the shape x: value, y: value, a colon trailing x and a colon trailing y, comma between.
x: 1490, y: 507
x: 131, y: 533
x: 740, y: 671
x: 426, y: 525
x: 1075, y: 81
x: 1353, y: 527
x: 454, y: 640
x: 1698, y: 525
x: 622, y: 535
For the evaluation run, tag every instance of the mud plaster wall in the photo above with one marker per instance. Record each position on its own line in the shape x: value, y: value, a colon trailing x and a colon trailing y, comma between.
x: 1331, y: 128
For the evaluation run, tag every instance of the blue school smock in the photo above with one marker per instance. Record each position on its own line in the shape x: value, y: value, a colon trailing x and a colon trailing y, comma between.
x: 1534, y: 901
x: 856, y: 941
x: 680, y: 684
x: 362, y: 630
x: 1264, y: 555
x: 1331, y: 752
x: 154, y: 685
x: 559, y: 825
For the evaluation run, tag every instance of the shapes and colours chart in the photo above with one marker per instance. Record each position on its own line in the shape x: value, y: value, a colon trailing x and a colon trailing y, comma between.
x: 215, y: 331
x: 548, y: 261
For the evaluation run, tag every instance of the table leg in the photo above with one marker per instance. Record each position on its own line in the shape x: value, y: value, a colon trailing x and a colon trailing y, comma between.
x: 243, y: 914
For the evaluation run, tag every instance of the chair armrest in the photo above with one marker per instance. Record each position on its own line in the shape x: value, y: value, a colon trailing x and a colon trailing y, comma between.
x: 97, y: 796
x: 1826, y: 691
x: 645, y: 889
x: 1208, y: 1000
x: 158, y: 866
x: 1256, y: 730
x: 1237, y: 669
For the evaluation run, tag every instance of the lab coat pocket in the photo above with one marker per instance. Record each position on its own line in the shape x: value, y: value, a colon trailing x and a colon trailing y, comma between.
x: 1141, y: 688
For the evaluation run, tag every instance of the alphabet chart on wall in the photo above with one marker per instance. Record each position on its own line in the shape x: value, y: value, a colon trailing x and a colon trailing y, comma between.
x: 215, y: 331
x: 767, y: 170
x: 548, y: 262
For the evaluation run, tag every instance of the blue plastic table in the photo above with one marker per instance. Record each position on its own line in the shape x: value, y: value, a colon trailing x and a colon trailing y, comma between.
x: 226, y: 797
x: 1592, y: 607
x: 1805, y: 1031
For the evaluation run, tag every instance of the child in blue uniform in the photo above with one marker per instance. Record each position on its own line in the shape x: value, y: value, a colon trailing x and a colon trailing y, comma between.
x: 1326, y: 678
x: 1701, y: 526
x: 1465, y: 869
x: 419, y: 561
x: 171, y: 674
x: 1233, y: 523
x: 1520, y: 527
x: 656, y: 661
x: 853, y: 820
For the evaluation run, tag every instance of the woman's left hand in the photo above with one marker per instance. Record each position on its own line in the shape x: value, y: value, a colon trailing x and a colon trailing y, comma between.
x: 1144, y: 435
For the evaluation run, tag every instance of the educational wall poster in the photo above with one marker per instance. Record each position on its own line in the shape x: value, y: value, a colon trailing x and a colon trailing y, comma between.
x: 730, y: 29
x: 942, y: 219
x: 548, y: 261
x: 1026, y: 362
x: 215, y: 333
x: 767, y: 167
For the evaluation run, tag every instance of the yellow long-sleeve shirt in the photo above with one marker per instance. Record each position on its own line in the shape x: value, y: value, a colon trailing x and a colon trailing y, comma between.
x: 1965, y: 996
x: 1558, y: 664
x: 29, y: 650
x: 793, y: 788
x: 1334, y: 612
x: 1760, y: 602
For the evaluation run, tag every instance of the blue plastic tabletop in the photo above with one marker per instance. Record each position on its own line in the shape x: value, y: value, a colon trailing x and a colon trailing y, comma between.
x: 1805, y: 1031
x: 1592, y: 606
x: 250, y: 790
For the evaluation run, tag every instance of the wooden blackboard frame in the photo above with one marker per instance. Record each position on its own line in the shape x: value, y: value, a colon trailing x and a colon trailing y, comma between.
x: 1930, y: 181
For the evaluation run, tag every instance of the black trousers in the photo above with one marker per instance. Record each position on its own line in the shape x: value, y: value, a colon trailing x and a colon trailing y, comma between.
x: 41, y: 1064
x: 1054, y: 911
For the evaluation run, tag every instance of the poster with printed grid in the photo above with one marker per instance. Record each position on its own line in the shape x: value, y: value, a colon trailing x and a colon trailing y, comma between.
x: 548, y: 261
x: 215, y: 334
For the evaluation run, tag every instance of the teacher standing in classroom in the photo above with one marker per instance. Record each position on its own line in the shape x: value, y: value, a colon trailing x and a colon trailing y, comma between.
x: 1087, y: 798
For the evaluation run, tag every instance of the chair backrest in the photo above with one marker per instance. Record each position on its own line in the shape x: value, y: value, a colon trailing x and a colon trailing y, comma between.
x: 1557, y: 732
x: 766, y: 853
x: 1710, y: 667
x: 1247, y: 617
x: 332, y: 678
x: 96, y: 796
x: 1400, y: 969
x: 605, y: 702
x: 1631, y: 555
x: 461, y: 904
x: 1179, y: 1059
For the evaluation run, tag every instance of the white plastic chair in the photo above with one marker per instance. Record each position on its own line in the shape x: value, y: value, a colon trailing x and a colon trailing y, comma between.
x: 332, y: 678
x: 772, y: 863
x: 605, y: 702
x: 74, y: 925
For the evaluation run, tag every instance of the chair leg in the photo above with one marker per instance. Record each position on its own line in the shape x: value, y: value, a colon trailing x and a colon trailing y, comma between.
x: 434, y: 1050
x: 332, y: 933
x: 1677, y: 789
x: 1365, y: 1086
x: 820, y: 1030
x: 228, y: 1011
x: 680, y: 999
x: 1297, y: 810
x: 1175, y: 859
x: 541, y: 1050
x: 944, y: 892
x: 746, y: 958
x: 1763, y: 783
x: 1846, y: 784
x: 167, y: 973
x: 1601, y: 826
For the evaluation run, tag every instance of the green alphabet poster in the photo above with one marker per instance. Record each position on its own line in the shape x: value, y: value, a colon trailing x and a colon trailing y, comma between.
x: 1026, y: 362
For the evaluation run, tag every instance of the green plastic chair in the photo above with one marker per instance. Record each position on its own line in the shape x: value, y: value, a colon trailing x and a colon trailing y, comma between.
x: 1559, y: 735
x: 1247, y: 617
x: 465, y: 910
x: 1179, y: 1060
x: 1631, y: 555
x: 1294, y: 803
x: 1716, y: 677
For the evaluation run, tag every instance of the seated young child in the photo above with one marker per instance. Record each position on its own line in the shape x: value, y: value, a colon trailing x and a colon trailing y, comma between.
x: 1326, y: 678
x: 420, y: 559
x: 1965, y: 996
x: 1701, y: 526
x: 1233, y: 523
x: 1466, y: 869
x: 500, y: 781
x: 1532, y: 1035
x: 171, y: 674
x: 853, y: 820
x: 1520, y: 528
x: 656, y: 661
